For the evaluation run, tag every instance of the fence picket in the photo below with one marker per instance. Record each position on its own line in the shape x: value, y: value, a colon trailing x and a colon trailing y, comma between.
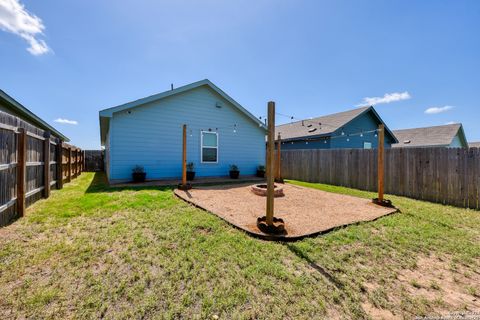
x: 448, y: 176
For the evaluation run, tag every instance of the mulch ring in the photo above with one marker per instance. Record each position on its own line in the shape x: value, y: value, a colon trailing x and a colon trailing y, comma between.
x: 306, y: 211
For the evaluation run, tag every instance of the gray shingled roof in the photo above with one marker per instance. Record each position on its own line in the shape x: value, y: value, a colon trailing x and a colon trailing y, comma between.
x: 474, y: 144
x: 427, y: 136
x: 318, y: 126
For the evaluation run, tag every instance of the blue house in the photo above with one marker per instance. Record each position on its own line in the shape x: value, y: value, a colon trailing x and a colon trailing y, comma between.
x: 355, y: 128
x: 148, y: 132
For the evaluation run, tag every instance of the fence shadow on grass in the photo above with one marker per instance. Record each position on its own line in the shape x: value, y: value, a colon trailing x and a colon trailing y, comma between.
x: 100, y: 184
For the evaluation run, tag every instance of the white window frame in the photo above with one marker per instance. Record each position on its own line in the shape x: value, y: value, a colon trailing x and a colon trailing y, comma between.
x: 371, y: 145
x: 201, y: 146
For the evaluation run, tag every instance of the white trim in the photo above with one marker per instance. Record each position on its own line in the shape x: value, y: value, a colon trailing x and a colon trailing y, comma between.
x: 201, y: 146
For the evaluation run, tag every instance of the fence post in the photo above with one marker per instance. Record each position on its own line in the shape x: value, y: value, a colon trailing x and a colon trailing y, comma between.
x: 278, y: 174
x: 83, y: 160
x: 59, y: 161
x: 21, y: 170
x: 381, y: 162
x: 46, y: 165
x: 69, y: 176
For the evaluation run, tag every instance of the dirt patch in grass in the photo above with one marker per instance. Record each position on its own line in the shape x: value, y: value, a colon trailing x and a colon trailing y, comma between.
x: 305, y: 211
x: 451, y: 287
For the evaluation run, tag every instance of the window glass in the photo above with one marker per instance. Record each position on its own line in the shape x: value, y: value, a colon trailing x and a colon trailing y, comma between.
x: 209, y: 147
x: 209, y: 139
x: 367, y: 145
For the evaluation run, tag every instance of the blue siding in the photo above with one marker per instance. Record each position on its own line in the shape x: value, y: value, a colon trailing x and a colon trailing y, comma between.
x: 365, y: 122
x: 351, y: 139
x: 151, y: 136
x: 457, y: 142
x: 294, y: 145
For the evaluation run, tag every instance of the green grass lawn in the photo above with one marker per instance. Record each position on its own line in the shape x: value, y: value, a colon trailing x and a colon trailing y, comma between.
x: 91, y: 251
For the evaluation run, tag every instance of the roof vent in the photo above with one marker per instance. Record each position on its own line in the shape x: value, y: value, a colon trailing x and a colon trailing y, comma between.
x: 312, y: 130
x: 407, y: 141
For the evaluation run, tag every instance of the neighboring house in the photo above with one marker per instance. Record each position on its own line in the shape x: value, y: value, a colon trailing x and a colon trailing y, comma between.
x: 355, y: 128
x: 148, y: 132
x: 12, y: 107
x: 449, y: 136
x: 474, y: 144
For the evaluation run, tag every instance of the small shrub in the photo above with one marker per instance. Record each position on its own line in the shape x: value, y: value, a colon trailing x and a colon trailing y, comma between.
x: 138, y: 169
x: 190, y: 167
x: 233, y: 167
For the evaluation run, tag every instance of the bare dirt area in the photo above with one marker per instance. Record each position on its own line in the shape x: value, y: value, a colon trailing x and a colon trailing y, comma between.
x: 305, y: 211
x: 444, y: 286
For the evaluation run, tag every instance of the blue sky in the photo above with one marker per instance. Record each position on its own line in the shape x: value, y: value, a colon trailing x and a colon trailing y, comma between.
x: 70, y: 59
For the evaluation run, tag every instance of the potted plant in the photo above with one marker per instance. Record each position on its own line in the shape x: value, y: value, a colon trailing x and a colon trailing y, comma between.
x: 190, y: 171
x: 261, y: 171
x: 234, y: 173
x: 138, y: 174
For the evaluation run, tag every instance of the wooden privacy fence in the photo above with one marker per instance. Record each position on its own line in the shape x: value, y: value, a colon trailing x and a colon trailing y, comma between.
x: 93, y: 160
x: 31, y: 164
x: 443, y: 175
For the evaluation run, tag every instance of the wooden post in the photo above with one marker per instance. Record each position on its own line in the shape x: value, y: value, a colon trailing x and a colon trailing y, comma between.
x: 270, y: 162
x: 21, y: 170
x: 83, y: 160
x: 381, y: 152
x: 278, y: 175
x: 46, y: 165
x: 69, y: 174
x: 184, y: 157
x: 59, y: 161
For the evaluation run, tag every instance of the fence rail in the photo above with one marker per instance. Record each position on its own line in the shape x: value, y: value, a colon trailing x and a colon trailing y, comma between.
x: 443, y: 175
x: 31, y: 164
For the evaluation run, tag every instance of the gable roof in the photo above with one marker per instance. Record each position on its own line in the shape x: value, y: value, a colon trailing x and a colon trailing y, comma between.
x: 436, y: 136
x: 474, y: 144
x: 105, y: 114
x: 28, y: 115
x: 324, y: 125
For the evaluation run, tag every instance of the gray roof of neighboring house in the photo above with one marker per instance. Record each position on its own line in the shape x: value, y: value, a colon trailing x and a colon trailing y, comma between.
x: 28, y: 115
x: 436, y: 136
x: 324, y: 125
x: 474, y: 144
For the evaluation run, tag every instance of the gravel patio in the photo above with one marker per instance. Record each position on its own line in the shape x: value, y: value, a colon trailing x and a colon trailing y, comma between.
x: 306, y: 211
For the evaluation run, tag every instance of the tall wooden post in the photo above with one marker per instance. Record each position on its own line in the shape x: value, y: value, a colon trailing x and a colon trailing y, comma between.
x: 278, y: 175
x: 69, y: 176
x: 184, y: 157
x: 21, y: 170
x: 46, y: 165
x: 59, y: 161
x: 270, y: 162
x: 381, y: 152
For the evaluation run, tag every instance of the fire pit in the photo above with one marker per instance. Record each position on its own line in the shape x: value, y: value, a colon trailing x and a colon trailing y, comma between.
x: 261, y: 190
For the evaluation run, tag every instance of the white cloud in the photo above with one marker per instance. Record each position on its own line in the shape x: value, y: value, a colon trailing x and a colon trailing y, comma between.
x: 435, y: 110
x: 387, y: 98
x: 451, y: 122
x: 66, y: 121
x: 15, y: 19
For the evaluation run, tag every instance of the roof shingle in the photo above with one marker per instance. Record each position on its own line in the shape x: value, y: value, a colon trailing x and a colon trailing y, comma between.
x: 318, y: 126
x: 427, y: 136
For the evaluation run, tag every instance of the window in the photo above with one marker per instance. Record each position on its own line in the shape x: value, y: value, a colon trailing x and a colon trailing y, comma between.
x: 367, y: 145
x: 209, y: 147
